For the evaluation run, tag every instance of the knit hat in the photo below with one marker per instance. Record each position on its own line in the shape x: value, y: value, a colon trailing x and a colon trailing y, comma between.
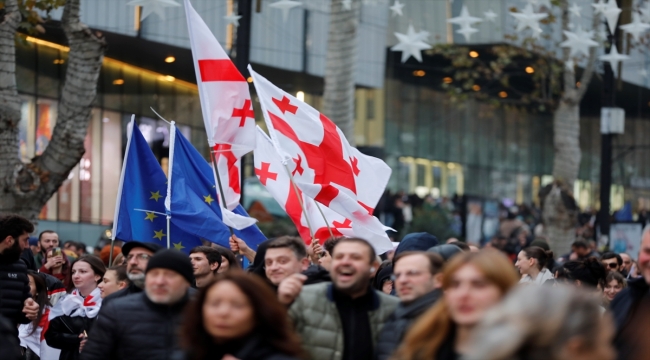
x: 172, y: 260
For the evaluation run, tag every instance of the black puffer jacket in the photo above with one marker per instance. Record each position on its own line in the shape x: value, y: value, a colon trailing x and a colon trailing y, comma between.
x: 63, y: 333
x: 134, y: 328
x: 9, y: 340
x: 14, y: 290
x: 400, y: 321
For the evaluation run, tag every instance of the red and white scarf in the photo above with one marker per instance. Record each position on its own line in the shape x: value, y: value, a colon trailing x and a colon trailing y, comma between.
x: 74, y: 304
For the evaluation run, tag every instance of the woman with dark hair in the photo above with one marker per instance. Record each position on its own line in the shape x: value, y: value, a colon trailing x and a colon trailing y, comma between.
x: 238, y: 315
x: 588, y: 273
x: 115, y: 279
x: 614, y: 283
x: 531, y: 263
x: 228, y: 260
x: 30, y: 334
x: 74, y: 315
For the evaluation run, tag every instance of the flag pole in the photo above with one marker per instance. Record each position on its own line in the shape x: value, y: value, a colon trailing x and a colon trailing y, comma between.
x: 221, y: 193
x: 324, y: 218
x: 168, y: 237
x: 302, y: 205
x: 110, y: 257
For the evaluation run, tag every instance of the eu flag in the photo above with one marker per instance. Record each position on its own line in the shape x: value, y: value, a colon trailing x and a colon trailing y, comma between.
x: 140, y: 208
x: 194, y: 202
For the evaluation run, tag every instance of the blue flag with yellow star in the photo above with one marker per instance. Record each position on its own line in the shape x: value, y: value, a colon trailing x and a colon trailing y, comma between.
x: 140, y: 213
x: 194, y: 203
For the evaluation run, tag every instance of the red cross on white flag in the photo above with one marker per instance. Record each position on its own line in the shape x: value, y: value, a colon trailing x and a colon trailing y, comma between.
x: 225, y: 102
x: 274, y: 176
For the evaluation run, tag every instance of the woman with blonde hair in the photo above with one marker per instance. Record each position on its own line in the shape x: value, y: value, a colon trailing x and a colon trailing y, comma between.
x: 472, y: 283
x: 544, y: 323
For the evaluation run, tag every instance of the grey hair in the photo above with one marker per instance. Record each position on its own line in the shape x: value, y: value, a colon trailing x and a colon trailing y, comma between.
x: 535, y: 323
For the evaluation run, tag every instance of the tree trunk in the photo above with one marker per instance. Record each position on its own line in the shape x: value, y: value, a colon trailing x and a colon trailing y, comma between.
x: 338, y: 99
x: 559, y: 208
x: 27, y: 187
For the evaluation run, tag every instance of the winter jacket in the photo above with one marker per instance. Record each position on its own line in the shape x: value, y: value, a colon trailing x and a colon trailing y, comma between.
x: 251, y: 348
x: 63, y: 333
x: 9, y: 340
x: 134, y: 328
x: 14, y: 290
x: 28, y: 257
x: 541, y: 278
x: 623, y: 308
x: 316, y: 319
x: 316, y: 274
x: 400, y: 321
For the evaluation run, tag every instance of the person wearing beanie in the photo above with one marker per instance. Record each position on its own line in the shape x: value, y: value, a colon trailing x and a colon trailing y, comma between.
x: 144, y: 325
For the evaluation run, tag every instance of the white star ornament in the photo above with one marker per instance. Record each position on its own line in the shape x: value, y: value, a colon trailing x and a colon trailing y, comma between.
x: 611, y: 11
x: 636, y: 27
x: 576, y: 10
x: 579, y: 42
x: 410, y: 44
x: 614, y: 58
x: 528, y: 19
x: 490, y: 15
x: 153, y: 6
x: 397, y: 8
x: 285, y: 6
x: 232, y: 19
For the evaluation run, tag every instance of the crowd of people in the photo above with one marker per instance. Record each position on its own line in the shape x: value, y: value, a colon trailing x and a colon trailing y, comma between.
x: 338, y: 300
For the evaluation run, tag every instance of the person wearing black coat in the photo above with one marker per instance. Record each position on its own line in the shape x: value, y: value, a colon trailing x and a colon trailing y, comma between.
x: 8, y: 341
x: 144, y: 325
x: 624, y: 308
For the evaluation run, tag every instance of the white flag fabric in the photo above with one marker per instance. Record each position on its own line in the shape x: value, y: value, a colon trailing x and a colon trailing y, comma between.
x: 225, y: 102
x: 275, y: 177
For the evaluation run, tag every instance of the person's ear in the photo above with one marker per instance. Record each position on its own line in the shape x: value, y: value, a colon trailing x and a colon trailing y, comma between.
x: 305, y: 263
x: 214, y: 266
x: 437, y: 281
x: 98, y: 279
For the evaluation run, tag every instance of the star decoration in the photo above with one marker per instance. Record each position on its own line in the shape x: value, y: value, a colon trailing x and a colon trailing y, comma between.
x: 397, y: 8
x: 599, y: 7
x: 465, y: 19
x: 614, y: 58
x: 636, y: 27
x: 159, y: 234
x: 410, y: 44
x: 285, y: 6
x: 179, y: 246
x: 153, y: 6
x: 579, y: 41
x: 150, y: 216
x: 490, y: 15
x: 528, y: 18
x: 155, y: 195
x: 347, y: 4
x: 576, y: 10
x: 232, y: 19
x: 467, y: 32
x: 208, y: 199
x: 611, y: 11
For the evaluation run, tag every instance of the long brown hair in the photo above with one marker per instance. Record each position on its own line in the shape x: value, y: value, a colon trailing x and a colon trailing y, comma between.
x: 427, y: 335
x: 95, y: 263
x: 271, y: 319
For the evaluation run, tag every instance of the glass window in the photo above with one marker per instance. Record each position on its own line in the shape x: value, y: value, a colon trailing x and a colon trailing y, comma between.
x: 111, y: 164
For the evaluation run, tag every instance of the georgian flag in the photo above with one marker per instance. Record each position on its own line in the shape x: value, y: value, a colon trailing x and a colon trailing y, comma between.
x: 226, y: 105
x: 323, y: 164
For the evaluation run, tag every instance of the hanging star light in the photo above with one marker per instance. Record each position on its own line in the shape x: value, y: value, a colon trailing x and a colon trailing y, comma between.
x: 467, y: 32
x: 579, y: 41
x: 232, y: 19
x: 285, y: 6
x: 599, y: 7
x: 410, y: 44
x: 490, y: 15
x: 397, y: 8
x: 465, y: 19
x: 611, y: 11
x: 576, y: 10
x: 153, y: 6
x: 636, y: 27
x: 614, y: 58
x: 528, y: 19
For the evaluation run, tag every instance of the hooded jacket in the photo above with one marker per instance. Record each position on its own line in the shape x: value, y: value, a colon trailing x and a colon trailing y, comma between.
x: 400, y: 321
x: 133, y: 328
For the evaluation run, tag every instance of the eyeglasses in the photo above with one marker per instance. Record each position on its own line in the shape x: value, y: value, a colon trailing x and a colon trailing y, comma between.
x: 408, y: 274
x: 612, y: 265
x: 139, y: 257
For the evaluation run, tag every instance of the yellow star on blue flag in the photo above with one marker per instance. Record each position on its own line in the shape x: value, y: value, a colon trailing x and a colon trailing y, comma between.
x: 155, y: 195
x: 150, y: 216
x: 159, y: 235
x: 208, y: 199
x: 179, y: 246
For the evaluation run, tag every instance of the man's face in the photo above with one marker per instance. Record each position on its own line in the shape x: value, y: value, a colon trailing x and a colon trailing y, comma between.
x: 644, y: 257
x: 136, y: 262
x: 581, y: 251
x: 610, y: 264
x: 413, y: 277
x: 282, y: 262
x: 49, y: 241
x: 627, y: 262
x: 200, y: 264
x: 164, y: 286
x: 351, y: 265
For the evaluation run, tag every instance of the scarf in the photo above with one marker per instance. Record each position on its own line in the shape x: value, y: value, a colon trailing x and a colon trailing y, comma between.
x: 74, y: 304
